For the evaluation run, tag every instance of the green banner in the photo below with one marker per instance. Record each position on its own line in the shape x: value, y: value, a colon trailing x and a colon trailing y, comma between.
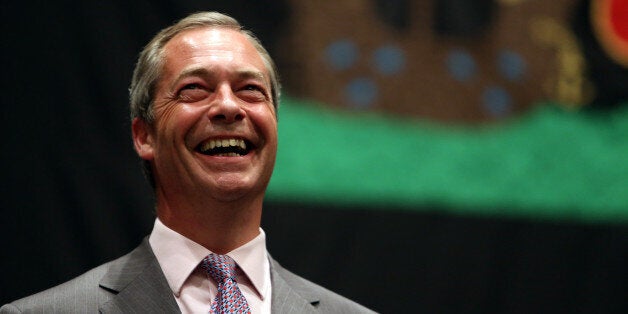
x: 548, y: 163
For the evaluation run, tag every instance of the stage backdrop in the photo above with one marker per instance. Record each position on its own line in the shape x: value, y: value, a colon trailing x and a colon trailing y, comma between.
x: 438, y: 156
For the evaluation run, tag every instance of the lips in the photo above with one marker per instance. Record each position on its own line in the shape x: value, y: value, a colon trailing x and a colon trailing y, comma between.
x: 225, y: 147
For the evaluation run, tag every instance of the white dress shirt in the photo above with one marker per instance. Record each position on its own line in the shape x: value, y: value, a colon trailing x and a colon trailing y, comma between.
x: 194, y: 290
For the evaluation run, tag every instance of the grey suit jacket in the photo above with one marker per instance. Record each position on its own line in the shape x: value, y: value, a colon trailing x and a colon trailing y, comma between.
x: 135, y: 283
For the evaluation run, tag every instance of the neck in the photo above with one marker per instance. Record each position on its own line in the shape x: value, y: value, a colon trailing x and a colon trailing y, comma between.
x: 218, y: 226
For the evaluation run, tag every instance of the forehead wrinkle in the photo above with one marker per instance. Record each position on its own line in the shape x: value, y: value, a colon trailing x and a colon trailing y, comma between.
x: 248, y: 74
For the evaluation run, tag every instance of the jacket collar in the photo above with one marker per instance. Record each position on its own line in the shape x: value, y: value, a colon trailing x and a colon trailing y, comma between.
x: 288, y: 295
x: 139, y: 284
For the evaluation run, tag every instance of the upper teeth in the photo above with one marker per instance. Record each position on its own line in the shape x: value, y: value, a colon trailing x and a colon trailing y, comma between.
x: 233, y: 142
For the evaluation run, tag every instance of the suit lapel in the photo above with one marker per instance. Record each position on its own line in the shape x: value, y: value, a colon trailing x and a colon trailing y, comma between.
x: 139, y: 283
x: 286, y: 297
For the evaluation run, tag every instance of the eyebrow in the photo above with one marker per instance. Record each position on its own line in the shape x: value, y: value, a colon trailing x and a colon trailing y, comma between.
x: 208, y: 74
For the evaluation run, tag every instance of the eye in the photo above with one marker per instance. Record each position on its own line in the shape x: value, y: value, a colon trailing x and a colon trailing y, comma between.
x: 191, y: 86
x: 253, y: 93
x: 192, y: 92
x: 252, y: 87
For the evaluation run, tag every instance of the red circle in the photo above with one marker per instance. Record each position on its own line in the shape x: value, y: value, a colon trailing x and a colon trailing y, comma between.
x: 619, y: 18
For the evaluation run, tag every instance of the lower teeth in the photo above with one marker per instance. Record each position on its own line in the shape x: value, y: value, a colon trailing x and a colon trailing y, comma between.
x: 228, y: 155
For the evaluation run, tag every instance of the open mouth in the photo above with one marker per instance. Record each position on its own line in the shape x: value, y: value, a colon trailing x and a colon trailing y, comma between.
x: 231, y: 147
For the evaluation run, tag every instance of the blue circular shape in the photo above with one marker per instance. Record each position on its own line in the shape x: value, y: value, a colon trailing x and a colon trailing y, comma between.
x: 496, y: 101
x: 461, y: 65
x: 341, y: 54
x: 389, y: 59
x: 361, y: 92
x: 511, y: 65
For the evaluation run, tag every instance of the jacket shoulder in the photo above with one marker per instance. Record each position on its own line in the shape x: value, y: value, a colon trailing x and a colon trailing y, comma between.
x: 323, y: 299
x: 79, y: 295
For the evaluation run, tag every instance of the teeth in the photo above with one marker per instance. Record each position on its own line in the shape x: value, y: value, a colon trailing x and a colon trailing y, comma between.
x: 211, y: 144
x: 207, y: 146
x: 228, y: 155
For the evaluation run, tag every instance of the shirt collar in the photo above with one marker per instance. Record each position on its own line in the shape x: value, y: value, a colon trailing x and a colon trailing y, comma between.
x: 253, y: 260
x: 178, y: 256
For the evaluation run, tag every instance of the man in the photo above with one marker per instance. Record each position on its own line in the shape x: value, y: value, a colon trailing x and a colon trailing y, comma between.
x: 204, y: 101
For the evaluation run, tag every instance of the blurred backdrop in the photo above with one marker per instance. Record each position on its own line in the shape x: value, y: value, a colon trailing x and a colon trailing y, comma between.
x: 449, y: 156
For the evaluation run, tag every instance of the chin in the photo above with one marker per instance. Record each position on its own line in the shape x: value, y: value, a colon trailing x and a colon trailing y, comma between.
x: 234, y: 190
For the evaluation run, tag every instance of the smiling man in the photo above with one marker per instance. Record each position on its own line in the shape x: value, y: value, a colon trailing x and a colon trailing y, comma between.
x: 204, y: 101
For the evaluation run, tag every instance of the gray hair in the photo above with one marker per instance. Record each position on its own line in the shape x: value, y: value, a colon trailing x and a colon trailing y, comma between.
x: 150, y: 63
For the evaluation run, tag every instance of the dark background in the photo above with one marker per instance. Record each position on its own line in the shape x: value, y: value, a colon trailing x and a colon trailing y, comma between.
x: 73, y: 195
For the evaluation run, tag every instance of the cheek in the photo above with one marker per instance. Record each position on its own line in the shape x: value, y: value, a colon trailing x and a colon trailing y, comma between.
x: 264, y: 116
x: 174, y: 120
x: 268, y: 126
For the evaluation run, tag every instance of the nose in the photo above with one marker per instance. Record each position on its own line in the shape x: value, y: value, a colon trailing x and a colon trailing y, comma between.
x: 225, y: 106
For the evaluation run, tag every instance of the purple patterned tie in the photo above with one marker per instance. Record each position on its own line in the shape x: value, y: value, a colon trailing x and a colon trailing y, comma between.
x: 229, y: 298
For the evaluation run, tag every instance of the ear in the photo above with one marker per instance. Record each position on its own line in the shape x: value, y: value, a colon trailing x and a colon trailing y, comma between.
x: 143, y: 139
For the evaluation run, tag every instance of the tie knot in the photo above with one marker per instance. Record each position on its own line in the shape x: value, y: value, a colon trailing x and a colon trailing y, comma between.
x: 219, y: 267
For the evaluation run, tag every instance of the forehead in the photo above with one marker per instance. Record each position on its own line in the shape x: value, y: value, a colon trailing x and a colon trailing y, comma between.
x: 212, y: 44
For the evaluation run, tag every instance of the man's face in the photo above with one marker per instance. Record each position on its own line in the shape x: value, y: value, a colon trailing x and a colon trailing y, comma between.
x: 215, y: 129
